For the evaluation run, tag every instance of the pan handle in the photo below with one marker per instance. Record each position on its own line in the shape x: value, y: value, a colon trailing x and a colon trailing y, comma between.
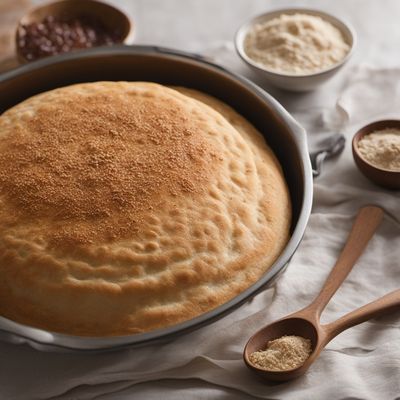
x: 334, y: 146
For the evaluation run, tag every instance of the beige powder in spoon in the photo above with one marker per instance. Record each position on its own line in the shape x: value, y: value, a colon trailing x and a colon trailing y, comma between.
x: 285, y: 353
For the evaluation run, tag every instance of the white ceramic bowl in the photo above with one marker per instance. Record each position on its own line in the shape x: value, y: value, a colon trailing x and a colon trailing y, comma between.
x: 295, y: 82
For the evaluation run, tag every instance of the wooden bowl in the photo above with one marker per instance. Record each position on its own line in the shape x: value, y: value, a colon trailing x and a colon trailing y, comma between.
x: 382, y: 177
x: 109, y: 16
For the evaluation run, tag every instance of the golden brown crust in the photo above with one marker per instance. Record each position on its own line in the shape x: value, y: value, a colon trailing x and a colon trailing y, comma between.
x: 127, y: 207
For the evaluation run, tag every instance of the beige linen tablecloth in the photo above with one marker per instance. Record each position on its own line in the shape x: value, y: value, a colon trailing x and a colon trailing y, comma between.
x: 361, y: 363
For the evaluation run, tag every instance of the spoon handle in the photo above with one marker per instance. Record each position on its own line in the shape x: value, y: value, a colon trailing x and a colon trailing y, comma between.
x: 364, y: 227
x: 383, y: 305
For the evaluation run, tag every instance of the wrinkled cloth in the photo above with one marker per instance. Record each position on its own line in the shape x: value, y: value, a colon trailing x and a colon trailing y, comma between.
x: 362, y: 363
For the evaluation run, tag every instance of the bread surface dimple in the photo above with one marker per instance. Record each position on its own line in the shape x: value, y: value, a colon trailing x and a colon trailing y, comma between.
x: 138, y: 205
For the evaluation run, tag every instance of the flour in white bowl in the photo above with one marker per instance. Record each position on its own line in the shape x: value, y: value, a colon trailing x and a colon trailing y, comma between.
x: 296, y: 44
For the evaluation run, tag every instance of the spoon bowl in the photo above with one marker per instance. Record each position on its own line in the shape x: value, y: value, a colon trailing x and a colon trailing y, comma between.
x: 296, y: 326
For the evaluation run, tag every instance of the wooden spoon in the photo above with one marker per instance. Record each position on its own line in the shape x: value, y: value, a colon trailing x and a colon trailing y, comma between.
x: 306, y: 322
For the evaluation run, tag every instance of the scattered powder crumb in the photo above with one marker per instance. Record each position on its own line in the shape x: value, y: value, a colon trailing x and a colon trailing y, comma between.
x: 295, y: 44
x: 382, y: 148
x: 285, y: 353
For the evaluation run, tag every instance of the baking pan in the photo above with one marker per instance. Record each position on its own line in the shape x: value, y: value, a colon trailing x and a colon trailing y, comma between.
x: 169, y: 67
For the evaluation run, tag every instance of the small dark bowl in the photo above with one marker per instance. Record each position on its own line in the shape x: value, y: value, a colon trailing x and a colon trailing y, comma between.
x: 382, y: 177
x: 112, y: 18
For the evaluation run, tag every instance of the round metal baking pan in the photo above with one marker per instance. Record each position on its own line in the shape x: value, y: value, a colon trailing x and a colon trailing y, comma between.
x: 170, y: 67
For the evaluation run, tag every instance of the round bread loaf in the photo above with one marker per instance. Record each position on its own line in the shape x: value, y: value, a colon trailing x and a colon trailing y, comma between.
x: 127, y: 207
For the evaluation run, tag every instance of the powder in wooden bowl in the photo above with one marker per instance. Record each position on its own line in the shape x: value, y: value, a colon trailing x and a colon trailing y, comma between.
x: 285, y: 353
x: 381, y: 148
